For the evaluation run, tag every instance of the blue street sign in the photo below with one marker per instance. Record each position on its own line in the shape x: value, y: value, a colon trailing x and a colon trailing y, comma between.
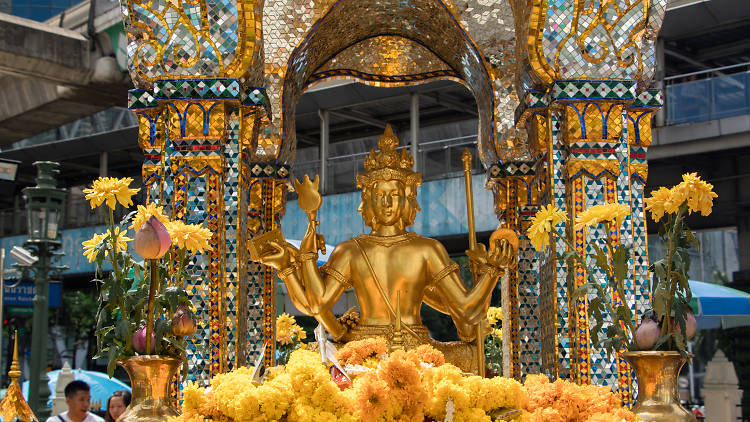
x: 23, y: 294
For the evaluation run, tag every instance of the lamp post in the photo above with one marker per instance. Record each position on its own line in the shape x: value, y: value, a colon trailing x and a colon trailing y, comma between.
x: 44, y: 205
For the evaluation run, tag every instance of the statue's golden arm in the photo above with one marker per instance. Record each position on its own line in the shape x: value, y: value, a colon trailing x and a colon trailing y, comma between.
x: 465, y: 330
x: 321, y: 295
x: 469, y: 307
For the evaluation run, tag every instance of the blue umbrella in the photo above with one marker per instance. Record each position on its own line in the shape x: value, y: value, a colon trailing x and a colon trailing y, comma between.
x: 717, y: 306
x: 102, y: 386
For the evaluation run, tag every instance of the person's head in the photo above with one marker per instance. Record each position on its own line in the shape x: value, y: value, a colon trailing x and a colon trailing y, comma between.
x: 116, y: 405
x: 389, y: 186
x: 78, y: 397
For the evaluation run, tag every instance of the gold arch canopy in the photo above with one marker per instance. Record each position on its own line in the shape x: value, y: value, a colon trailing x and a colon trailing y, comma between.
x: 564, y: 119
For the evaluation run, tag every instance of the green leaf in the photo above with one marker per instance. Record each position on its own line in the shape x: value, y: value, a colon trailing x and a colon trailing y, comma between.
x: 602, y: 261
x: 620, y: 265
x: 114, y: 354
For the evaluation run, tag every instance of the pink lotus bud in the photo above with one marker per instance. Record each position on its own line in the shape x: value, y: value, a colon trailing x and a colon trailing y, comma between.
x: 152, y: 240
x: 139, y: 341
x: 183, y: 323
x: 647, y: 334
x: 691, y: 326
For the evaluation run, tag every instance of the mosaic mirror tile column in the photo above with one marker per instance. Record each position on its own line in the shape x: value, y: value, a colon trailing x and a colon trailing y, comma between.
x: 197, y: 66
x: 587, y: 66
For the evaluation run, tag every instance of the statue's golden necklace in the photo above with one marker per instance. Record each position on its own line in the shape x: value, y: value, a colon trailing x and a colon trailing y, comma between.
x: 388, y: 240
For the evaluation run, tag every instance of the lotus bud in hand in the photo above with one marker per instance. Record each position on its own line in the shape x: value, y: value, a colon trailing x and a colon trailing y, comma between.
x: 183, y: 323
x: 139, y: 341
x: 152, y: 240
x: 647, y: 334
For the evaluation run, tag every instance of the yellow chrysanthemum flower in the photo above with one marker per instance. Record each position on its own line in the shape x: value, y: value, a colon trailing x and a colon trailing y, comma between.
x: 89, y: 246
x: 541, y: 225
x: 659, y: 202
x: 599, y: 213
x: 192, y: 237
x: 145, y: 212
x: 287, y: 330
x: 110, y: 190
x: 494, y: 315
x: 698, y: 193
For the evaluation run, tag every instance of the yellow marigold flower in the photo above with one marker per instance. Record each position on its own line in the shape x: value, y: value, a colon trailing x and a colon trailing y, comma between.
x: 427, y: 354
x: 145, y: 212
x: 371, y: 397
x: 497, y: 332
x: 188, y: 236
x: 599, y: 213
x: 89, y: 246
x: 355, y: 352
x: 545, y: 219
x: 494, y: 315
x: 110, y: 190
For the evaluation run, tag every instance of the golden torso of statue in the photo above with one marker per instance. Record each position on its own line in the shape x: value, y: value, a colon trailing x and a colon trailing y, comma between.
x: 404, y: 264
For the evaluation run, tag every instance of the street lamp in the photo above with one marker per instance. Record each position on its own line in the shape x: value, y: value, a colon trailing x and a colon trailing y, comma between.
x: 44, y: 205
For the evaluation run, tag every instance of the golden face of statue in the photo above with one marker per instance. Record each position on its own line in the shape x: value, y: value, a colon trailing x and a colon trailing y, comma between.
x: 387, y: 200
x: 389, y: 203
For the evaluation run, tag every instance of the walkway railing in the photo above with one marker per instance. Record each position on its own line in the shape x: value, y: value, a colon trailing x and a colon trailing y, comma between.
x: 691, y: 99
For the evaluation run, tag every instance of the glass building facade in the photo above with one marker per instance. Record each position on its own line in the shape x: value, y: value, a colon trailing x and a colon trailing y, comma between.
x: 38, y: 10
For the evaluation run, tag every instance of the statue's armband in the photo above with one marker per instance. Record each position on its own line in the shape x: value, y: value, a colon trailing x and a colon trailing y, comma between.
x: 330, y: 271
x: 452, y: 267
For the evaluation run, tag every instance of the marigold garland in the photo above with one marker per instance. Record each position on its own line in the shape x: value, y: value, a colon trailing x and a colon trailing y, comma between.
x: 569, y: 402
x: 355, y: 352
x: 404, y: 387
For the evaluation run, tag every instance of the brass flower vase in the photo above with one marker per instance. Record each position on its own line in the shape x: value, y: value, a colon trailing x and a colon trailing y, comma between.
x: 150, y: 378
x: 658, y: 397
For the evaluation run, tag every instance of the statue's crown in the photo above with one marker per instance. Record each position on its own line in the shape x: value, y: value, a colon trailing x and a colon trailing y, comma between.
x: 388, y: 163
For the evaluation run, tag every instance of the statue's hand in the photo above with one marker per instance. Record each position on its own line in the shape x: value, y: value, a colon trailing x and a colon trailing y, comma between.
x: 309, y: 241
x: 280, y: 258
x: 478, y: 256
x: 503, y: 255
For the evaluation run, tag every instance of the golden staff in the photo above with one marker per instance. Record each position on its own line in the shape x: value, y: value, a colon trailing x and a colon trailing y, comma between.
x: 466, y: 158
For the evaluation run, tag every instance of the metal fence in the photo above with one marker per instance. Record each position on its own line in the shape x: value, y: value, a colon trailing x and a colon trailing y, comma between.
x: 438, y: 159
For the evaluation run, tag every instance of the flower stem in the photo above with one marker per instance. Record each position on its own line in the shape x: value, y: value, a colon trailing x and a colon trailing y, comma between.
x: 607, y: 304
x: 151, y: 296
x: 113, y: 241
x: 666, y: 326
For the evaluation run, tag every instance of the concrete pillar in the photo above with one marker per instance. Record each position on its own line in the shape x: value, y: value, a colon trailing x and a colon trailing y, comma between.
x: 63, y: 379
x: 324, y: 126
x: 103, y: 164
x: 660, y: 116
x: 721, y: 392
x: 414, y: 121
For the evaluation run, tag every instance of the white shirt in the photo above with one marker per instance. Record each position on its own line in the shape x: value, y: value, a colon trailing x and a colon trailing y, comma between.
x: 90, y: 417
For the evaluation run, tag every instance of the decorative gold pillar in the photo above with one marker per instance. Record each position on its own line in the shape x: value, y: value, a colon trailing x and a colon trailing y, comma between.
x: 587, y: 66
x: 196, y: 70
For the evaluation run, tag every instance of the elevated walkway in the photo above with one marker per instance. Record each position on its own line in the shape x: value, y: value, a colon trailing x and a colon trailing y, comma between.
x: 54, y: 72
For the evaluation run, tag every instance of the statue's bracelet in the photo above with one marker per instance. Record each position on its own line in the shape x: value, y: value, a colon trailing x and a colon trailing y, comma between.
x: 307, y: 256
x: 287, y: 271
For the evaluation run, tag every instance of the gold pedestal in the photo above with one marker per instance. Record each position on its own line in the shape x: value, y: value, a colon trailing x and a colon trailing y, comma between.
x: 658, y: 397
x: 150, y: 378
